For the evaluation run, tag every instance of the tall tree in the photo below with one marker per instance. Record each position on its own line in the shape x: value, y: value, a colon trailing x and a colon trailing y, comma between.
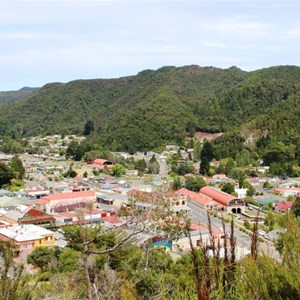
x: 88, y: 127
x: 5, y: 174
x: 17, y: 167
x: 153, y: 165
x: 207, y: 151
x: 204, y: 166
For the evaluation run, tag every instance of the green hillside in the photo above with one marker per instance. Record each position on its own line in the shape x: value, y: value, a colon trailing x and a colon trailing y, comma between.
x: 156, y: 107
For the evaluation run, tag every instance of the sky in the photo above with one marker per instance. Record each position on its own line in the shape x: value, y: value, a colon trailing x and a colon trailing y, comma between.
x: 59, y: 41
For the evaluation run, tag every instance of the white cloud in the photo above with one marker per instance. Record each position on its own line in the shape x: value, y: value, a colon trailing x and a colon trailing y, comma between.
x: 64, y: 40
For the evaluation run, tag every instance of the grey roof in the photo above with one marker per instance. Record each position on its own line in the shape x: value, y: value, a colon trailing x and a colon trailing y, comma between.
x: 4, y: 192
x: 13, y: 201
x: 14, y: 215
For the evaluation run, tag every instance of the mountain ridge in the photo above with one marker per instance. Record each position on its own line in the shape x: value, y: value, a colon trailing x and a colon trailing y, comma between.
x: 154, y: 107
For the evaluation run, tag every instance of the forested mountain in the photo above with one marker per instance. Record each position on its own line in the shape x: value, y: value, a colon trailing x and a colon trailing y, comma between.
x: 157, y: 107
x: 13, y: 96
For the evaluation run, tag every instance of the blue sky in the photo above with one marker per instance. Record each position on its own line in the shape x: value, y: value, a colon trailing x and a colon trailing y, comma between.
x: 51, y: 41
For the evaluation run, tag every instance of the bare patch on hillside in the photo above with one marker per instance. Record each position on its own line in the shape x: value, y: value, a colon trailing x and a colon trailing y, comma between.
x: 201, y: 136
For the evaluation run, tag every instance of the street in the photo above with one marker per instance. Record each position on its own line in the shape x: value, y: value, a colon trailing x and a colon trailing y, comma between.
x: 199, y: 215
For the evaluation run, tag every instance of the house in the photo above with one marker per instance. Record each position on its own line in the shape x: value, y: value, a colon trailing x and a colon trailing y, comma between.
x: 62, y: 202
x: 36, y: 193
x: 101, y: 164
x: 27, y: 237
x: 37, y: 217
x: 241, y: 193
x: 198, y: 199
x: 220, y: 178
x: 148, y: 201
x: 287, y: 191
x: 83, y: 215
x: 112, y: 199
x: 283, y: 206
x: 227, y: 202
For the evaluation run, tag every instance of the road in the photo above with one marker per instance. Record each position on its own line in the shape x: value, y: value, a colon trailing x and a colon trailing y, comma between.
x: 199, y: 215
x: 163, y: 167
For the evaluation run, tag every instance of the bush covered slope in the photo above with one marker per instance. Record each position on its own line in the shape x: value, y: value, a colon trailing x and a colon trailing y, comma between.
x: 157, y: 107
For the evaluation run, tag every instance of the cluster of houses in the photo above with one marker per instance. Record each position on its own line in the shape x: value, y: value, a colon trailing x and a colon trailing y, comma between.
x: 40, y: 211
x: 31, y: 217
x: 30, y: 220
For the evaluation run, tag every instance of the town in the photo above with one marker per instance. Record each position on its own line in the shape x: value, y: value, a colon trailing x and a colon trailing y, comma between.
x: 55, y: 190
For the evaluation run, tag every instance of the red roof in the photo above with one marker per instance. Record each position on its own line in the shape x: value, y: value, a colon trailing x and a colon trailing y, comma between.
x: 70, y: 195
x: 217, y: 195
x: 35, y: 213
x: 201, y: 198
x: 99, y: 161
x: 284, y: 205
x: 41, y: 201
x: 293, y: 189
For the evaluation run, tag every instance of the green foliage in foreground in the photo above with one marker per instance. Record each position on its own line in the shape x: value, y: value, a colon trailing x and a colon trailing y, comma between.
x: 129, y: 272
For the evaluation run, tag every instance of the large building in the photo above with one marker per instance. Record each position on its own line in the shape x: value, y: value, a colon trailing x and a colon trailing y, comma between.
x: 198, y: 199
x: 227, y: 202
x: 63, y: 202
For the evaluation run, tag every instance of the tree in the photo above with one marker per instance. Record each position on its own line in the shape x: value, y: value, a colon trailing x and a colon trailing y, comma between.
x: 207, y: 151
x: 177, y: 183
x: 118, y: 170
x: 197, y: 150
x: 204, y: 166
x: 41, y: 257
x: 70, y: 173
x: 238, y: 174
x: 194, y: 183
x: 250, y: 188
x: 153, y: 165
x: 17, y: 167
x: 141, y: 165
x: 75, y: 151
x: 228, y: 188
x: 68, y: 260
x: 88, y: 127
x: 90, y: 156
x: 267, y: 185
x: 296, y: 207
x: 12, y: 284
x: 5, y: 174
x: 97, y: 243
x: 185, y: 168
x: 270, y: 220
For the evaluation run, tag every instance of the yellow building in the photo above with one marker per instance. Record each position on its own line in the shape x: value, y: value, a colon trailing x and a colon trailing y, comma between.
x: 28, y: 237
